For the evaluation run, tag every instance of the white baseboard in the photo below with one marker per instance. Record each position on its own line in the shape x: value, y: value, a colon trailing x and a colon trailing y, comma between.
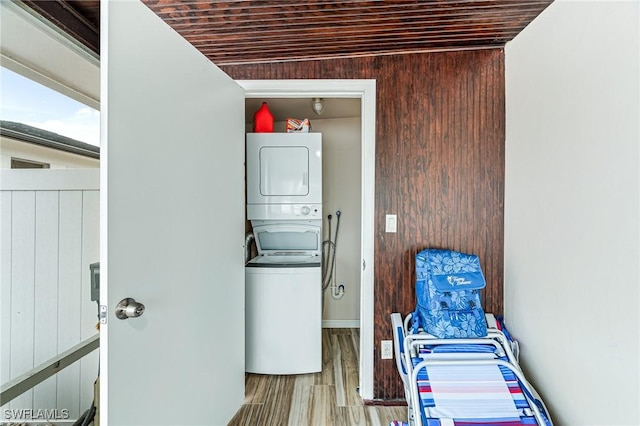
x: 341, y: 324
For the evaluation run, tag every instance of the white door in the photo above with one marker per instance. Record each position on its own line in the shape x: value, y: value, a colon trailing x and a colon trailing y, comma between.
x: 172, y: 222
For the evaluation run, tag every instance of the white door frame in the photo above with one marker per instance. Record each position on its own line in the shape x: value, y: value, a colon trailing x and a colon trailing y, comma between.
x: 365, y: 90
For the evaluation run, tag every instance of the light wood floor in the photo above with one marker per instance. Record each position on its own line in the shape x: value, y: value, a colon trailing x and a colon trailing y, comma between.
x: 321, y: 399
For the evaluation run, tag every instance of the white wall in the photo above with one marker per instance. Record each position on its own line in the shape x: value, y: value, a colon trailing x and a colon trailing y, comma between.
x: 11, y: 148
x: 572, y: 208
x: 341, y: 190
x: 49, y: 235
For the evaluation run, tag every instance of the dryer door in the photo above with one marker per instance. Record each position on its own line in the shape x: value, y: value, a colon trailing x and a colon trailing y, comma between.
x: 284, y: 168
x: 284, y: 171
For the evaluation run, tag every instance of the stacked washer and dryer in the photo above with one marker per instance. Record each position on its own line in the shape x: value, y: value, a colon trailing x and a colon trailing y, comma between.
x: 283, y: 309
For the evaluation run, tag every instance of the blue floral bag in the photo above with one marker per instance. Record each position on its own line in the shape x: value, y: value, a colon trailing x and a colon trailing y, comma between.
x: 448, y: 285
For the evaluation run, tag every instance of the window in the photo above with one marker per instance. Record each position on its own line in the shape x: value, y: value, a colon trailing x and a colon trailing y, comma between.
x: 18, y: 163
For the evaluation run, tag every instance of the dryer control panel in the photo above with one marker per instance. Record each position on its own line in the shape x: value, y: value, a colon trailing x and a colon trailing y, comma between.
x: 284, y: 211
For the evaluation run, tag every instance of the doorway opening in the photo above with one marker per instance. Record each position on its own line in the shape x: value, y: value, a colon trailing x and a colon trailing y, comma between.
x: 340, y: 126
x: 350, y: 141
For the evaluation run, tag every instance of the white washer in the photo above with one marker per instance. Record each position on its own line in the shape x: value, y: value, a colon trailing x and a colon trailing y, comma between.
x: 283, y: 306
x: 283, y: 315
x: 283, y: 299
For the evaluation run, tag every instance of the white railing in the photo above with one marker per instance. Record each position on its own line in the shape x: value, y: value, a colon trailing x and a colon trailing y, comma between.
x: 27, y: 381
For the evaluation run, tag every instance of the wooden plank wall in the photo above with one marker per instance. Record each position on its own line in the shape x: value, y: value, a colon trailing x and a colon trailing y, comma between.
x: 49, y: 237
x: 439, y: 165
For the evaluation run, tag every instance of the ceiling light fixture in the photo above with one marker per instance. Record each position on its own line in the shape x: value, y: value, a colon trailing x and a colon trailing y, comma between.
x: 317, y: 105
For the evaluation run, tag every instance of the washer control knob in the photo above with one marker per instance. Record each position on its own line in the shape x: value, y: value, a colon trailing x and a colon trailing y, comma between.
x: 305, y: 210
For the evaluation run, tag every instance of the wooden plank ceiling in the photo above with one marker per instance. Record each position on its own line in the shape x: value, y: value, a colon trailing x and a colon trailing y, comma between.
x: 245, y: 31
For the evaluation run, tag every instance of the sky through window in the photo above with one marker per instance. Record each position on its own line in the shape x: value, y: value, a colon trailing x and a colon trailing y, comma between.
x: 24, y: 101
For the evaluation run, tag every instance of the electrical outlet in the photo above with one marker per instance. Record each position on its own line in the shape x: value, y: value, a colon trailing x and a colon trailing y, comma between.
x: 387, y: 349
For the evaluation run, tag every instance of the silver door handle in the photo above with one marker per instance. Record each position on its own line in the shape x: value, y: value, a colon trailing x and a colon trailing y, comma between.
x: 129, y: 308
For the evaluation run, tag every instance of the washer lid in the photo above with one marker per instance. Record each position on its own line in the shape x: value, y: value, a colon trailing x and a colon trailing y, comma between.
x: 284, y: 262
x: 288, y: 238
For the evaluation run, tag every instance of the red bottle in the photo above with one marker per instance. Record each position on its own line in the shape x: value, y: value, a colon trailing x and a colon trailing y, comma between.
x: 263, y: 120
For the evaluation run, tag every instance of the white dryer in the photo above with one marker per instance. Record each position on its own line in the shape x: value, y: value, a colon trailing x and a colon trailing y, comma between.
x: 284, y: 176
x: 283, y: 310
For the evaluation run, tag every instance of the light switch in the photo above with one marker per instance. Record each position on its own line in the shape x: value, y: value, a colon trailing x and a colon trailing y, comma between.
x: 392, y: 223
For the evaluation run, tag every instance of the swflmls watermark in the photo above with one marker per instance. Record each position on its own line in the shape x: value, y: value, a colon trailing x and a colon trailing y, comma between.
x: 30, y: 414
